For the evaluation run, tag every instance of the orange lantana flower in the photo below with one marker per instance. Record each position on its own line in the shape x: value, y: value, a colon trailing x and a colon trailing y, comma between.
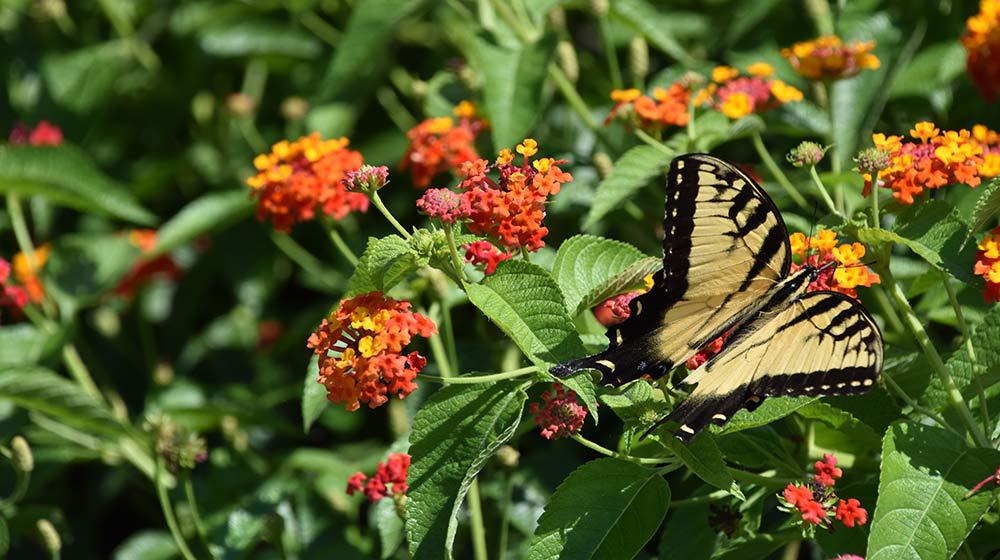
x: 666, y: 107
x: 845, y: 276
x: 440, y: 144
x: 828, y: 58
x: 736, y: 95
x: 982, y: 43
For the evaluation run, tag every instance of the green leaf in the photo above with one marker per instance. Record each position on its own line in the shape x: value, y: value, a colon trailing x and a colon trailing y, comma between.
x: 82, y: 79
x: 512, y: 87
x: 586, y: 268
x: 933, y: 68
x: 655, y: 25
x: 633, y: 171
x: 608, y: 508
x: 925, y: 474
x: 454, y: 434
x: 314, y: 401
x: 704, y: 459
x: 382, y: 265
x: 147, y: 545
x: 386, y: 521
x: 840, y: 420
x: 757, y: 546
x: 244, y: 528
x: 64, y: 175
x: 773, y: 408
x: 636, y: 402
x: 987, y: 206
x: 41, y: 390
x: 986, y: 344
x: 83, y: 267
x: 524, y: 301
x: 246, y: 38
x: 25, y: 344
x: 687, y: 534
x: 4, y: 537
x: 209, y: 213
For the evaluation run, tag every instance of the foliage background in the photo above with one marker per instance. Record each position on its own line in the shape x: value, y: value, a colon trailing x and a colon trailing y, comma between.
x: 168, y: 103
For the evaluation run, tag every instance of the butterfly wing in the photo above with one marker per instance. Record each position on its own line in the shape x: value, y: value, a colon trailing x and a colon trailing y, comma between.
x: 824, y: 343
x: 724, y: 246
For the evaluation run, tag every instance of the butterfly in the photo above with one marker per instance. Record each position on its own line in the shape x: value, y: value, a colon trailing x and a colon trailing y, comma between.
x: 726, y: 272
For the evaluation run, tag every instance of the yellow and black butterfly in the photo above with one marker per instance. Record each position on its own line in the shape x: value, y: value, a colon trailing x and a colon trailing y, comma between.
x: 726, y: 261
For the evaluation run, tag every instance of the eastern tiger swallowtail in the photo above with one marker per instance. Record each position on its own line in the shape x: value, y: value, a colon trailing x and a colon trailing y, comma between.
x: 726, y: 261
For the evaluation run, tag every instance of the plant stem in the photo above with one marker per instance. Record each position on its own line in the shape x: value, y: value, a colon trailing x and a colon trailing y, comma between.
x: 645, y: 137
x: 438, y: 352
x: 199, y: 525
x: 78, y: 369
x: 967, y: 339
x: 609, y: 51
x: 168, y: 511
x: 578, y: 104
x: 779, y: 176
x: 21, y: 229
x: 765, y: 478
x: 398, y: 113
x: 320, y: 28
x: 876, y: 221
x: 388, y: 215
x: 718, y: 494
x: 300, y: 256
x: 917, y: 329
x: 456, y: 261
x: 476, y: 379
x: 342, y: 246
x: 605, y: 451
x: 887, y: 309
x: 916, y: 407
x: 478, y: 530
x: 823, y: 192
x: 449, y: 334
x: 508, y: 489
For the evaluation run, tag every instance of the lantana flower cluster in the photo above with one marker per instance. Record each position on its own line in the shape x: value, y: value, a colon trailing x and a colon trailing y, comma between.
x: 389, y: 479
x: 441, y: 144
x: 665, y: 108
x: 988, y: 264
x: 360, y: 347
x: 559, y: 414
x: 28, y: 271
x: 822, y: 249
x: 485, y: 255
x: 989, y: 141
x: 737, y: 95
x: 298, y: 179
x: 146, y: 269
x: 615, y: 309
x: 933, y: 159
x: 509, y: 208
x: 12, y: 296
x: 815, y: 502
x: 43, y: 134
x: 982, y: 45
x: 828, y: 58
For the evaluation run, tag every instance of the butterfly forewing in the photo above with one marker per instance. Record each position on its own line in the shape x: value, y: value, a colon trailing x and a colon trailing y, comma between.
x: 823, y: 344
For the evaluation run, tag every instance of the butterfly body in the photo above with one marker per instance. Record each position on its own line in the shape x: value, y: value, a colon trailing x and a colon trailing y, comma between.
x: 727, y: 274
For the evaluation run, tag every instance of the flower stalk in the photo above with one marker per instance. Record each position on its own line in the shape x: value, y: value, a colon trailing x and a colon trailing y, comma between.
x: 777, y: 173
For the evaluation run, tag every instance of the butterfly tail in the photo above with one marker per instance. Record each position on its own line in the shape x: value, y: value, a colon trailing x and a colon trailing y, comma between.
x: 695, y: 413
x: 618, y: 365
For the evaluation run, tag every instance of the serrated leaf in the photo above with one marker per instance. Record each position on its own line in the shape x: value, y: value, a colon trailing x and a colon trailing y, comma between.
x: 654, y: 24
x: 986, y: 344
x: 987, y: 206
x: 586, y: 264
x: 524, y: 301
x: 382, y: 256
x: 82, y: 79
x: 703, y: 457
x: 629, y: 279
x: 83, y: 267
x: 26, y: 344
x: 633, y: 171
x: 634, y: 401
x: 839, y: 420
x: 454, y: 434
x: 41, y: 390
x: 209, y: 213
x: 386, y: 521
x: 314, y: 401
x: 64, y: 175
x: 247, y: 37
x: 773, y: 408
x: 925, y: 474
x: 608, y: 508
x: 512, y: 87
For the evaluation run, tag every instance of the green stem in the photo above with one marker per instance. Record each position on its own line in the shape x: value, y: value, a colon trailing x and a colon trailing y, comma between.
x: 525, y: 255
x: 717, y: 495
x: 508, y: 490
x: 342, y: 246
x: 168, y: 511
x: 692, y: 129
x: 876, y: 221
x: 449, y: 334
x: 888, y: 311
x: 438, y: 352
x: 766, y: 478
x: 300, y: 256
x: 967, y: 339
x: 819, y: 12
x: 456, y: 261
x: 21, y: 229
x: 477, y: 529
x: 779, y: 176
x: 605, y: 451
x: 199, y: 525
x: 645, y: 137
x: 476, y: 379
x: 823, y: 192
x: 917, y: 329
x: 398, y: 113
x: 78, y: 369
x: 320, y: 28
x: 578, y: 105
x: 388, y: 215
x: 918, y: 408
x: 609, y: 51
x: 524, y: 34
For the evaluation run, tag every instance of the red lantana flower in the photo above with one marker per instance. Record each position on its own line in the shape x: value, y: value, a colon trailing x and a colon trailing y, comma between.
x: 44, y: 134
x: 816, y: 502
x: 988, y: 264
x: 145, y: 269
x: 559, y: 414
x: 850, y: 513
x: 665, y: 108
x: 298, y: 179
x: 485, y: 254
x: 615, y: 309
x: 827, y: 471
x: 441, y: 204
x: 12, y: 297
x: 982, y: 45
x: 391, y: 472
x: 440, y: 144
x: 360, y: 350
x: 812, y: 512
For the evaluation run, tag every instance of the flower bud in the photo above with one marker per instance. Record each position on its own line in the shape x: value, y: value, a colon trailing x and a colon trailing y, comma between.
x: 367, y: 179
x: 566, y: 57
x: 202, y: 106
x: 599, y: 7
x: 22, y: 458
x: 294, y: 108
x: 602, y: 162
x: 806, y: 154
x: 638, y: 58
x: 240, y: 104
x: 50, y: 537
x: 508, y: 456
x: 872, y: 160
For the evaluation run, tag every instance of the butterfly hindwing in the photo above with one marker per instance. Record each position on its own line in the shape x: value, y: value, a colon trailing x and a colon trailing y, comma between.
x: 825, y: 343
x: 725, y: 244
